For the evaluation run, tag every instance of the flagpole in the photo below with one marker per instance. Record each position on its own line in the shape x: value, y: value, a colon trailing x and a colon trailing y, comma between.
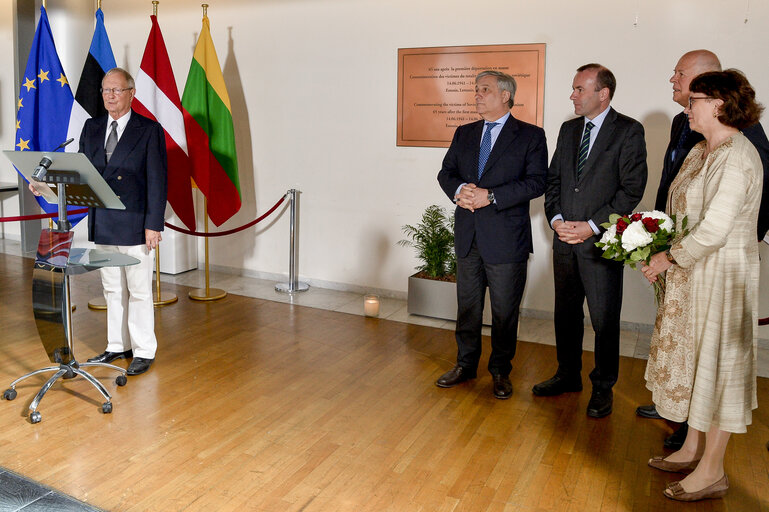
x: 207, y: 293
x: 154, y: 7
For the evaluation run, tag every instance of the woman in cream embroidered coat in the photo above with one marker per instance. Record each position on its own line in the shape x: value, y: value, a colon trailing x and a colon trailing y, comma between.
x: 702, y: 361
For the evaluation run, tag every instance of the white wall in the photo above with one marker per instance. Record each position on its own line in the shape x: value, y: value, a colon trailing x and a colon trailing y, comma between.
x: 313, y: 88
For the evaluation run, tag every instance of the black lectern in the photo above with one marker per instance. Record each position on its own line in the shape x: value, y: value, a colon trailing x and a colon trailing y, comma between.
x: 77, y: 183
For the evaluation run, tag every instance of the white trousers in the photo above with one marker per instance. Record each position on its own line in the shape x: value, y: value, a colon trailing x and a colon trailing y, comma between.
x: 130, y: 309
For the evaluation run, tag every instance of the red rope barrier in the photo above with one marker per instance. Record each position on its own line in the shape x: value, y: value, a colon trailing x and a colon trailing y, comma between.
x: 229, y: 231
x: 42, y: 215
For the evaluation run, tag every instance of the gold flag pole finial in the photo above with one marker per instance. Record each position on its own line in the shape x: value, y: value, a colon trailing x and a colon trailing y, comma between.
x: 98, y: 4
x: 205, y: 9
x: 155, y: 7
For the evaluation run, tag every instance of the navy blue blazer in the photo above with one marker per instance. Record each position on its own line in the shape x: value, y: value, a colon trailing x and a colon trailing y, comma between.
x: 516, y: 172
x: 137, y: 173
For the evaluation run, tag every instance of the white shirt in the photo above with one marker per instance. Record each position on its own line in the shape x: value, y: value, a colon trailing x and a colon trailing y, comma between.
x: 121, y: 124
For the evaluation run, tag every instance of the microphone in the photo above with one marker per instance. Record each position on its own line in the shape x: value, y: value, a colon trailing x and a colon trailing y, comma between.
x: 45, y: 163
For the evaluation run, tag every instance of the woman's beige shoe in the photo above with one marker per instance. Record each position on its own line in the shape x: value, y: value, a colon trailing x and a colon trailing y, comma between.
x: 717, y: 490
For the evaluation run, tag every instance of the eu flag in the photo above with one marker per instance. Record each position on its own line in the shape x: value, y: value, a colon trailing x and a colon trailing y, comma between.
x: 47, y: 113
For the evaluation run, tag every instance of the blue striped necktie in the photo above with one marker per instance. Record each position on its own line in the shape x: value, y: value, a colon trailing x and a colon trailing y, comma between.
x: 584, y: 148
x: 483, y: 157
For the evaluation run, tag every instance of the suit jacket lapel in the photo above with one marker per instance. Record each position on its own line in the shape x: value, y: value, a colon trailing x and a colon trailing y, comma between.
x: 125, y: 145
x: 100, y: 155
x: 505, y: 138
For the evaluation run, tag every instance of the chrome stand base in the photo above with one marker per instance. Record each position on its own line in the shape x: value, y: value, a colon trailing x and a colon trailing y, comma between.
x: 288, y: 288
x: 67, y: 371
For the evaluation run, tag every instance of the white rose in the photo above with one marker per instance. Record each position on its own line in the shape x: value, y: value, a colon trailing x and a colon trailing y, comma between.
x: 610, y: 235
x: 667, y: 222
x: 635, y: 236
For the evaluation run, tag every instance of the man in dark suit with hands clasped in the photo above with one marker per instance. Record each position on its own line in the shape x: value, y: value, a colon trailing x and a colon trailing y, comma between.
x: 492, y: 170
x: 599, y: 168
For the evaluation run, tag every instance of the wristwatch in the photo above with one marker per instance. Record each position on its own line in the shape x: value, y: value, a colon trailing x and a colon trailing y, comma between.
x: 670, y: 257
x: 490, y: 196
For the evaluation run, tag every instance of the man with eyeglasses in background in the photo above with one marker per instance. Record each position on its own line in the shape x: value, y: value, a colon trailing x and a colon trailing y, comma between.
x: 682, y: 140
x: 129, y: 152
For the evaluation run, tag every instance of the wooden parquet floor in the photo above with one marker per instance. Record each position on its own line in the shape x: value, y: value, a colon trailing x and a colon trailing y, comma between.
x: 262, y: 406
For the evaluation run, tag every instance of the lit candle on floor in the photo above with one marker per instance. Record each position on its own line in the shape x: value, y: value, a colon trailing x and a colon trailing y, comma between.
x: 371, y: 305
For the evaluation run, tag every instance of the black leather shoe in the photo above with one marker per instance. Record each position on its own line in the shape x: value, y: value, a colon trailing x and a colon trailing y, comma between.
x: 648, y: 411
x: 556, y: 386
x: 139, y: 365
x: 108, y: 357
x: 503, y: 388
x: 676, y: 440
x: 454, y: 376
x: 600, y: 403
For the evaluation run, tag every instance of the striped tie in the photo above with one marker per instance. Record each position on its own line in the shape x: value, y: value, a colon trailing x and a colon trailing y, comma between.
x: 109, y: 148
x: 483, y: 157
x: 584, y: 148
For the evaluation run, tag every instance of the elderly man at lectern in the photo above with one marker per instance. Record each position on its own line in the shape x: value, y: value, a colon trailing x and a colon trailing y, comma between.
x: 129, y: 152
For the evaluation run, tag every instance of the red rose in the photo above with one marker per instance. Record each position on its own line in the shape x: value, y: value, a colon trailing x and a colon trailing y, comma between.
x: 621, y: 226
x: 636, y: 217
x: 651, y: 225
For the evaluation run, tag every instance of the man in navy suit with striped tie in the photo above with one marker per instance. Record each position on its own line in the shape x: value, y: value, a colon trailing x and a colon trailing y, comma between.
x: 492, y: 170
x: 598, y: 168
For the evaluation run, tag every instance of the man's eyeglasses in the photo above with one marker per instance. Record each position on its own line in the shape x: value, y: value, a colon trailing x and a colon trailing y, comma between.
x: 692, y: 99
x: 115, y: 91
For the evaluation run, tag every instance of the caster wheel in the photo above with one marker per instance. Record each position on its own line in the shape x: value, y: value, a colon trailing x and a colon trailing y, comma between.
x: 121, y: 380
x: 106, y: 407
x: 9, y: 394
x: 34, y: 417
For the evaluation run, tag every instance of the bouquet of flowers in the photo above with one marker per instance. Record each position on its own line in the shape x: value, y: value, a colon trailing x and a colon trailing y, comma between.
x: 635, y: 238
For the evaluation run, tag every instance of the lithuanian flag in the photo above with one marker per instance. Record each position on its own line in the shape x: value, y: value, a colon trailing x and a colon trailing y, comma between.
x: 210, y: 134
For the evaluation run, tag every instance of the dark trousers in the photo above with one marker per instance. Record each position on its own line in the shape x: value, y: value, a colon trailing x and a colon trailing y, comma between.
x: 505, y: 282
x: 600, y: 281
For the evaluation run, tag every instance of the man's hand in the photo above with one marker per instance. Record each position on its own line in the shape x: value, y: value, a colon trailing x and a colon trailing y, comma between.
x: 152, y: 238
x: 573, y: 231
x: 471, y: 197
x: 34, y: 190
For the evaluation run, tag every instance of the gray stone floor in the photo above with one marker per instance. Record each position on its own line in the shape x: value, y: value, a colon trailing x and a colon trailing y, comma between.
x: 21, y: 494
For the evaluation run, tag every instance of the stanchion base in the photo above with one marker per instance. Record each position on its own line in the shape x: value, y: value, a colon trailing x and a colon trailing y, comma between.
x: 165, y: 298
x: 286, y: 287
x: 97, y: 304
x: 213, y: 294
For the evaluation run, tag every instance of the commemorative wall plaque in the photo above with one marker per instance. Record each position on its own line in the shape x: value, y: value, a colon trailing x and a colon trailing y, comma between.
x: 436, y: 88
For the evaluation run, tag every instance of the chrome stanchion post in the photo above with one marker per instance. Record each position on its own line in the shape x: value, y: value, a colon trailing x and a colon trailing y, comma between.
x: 293, y: 285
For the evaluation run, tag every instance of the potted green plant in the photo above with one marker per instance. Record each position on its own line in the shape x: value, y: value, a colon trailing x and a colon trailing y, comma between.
x: 432, y: 291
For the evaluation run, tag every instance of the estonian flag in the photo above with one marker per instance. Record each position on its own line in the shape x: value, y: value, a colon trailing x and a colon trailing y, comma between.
x: 99, y: 60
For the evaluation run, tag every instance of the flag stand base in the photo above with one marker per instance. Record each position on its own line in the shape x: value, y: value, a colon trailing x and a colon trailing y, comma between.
x: 164, y: 299
x: 97, y: 304
x: 207, y: 294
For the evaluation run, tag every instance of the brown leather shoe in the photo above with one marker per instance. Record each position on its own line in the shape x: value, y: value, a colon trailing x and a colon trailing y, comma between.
x: 503, y: 388
x: 454, y: 376
x: 716, y: 490
x: 659, y: 462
